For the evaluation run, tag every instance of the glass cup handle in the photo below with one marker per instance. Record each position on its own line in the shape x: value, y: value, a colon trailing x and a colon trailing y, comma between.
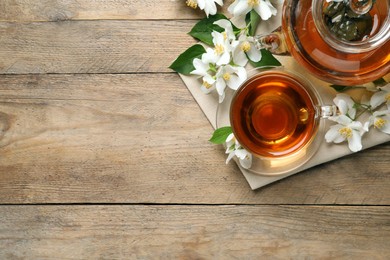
x: 327, y: 111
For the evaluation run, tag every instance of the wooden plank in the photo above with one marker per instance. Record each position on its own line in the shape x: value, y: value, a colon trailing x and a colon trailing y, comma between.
x: 194, y: 232
x: 141, y: 138
x: 45, y: 10
x: 92, y: 46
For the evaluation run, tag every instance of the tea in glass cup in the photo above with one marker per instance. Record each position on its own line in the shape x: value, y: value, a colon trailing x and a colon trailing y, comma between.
x: 275, y: 114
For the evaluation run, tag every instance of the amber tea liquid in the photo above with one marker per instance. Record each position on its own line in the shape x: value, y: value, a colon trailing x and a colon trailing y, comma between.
x: 273, y: 115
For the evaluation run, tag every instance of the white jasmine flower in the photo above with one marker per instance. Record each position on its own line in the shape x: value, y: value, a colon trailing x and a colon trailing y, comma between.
x: 210, y: 56
x: 208, y: 85
x: 345, y: 105
x: 235, y: 149
x: 227, y: 26
x: 222, y: 48
x: 243, y: 48
x: 203, y: 70
x: 346, y: 129
x: 205, y: 66
x: 231, y: 76
x: 244, y: 157
x: 380, y: 97
x: 263, y: 7
x: 208, y: 6
x: 380, y: 120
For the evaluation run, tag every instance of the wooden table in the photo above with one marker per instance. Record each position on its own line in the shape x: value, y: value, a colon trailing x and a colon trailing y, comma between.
x: 104, y: 154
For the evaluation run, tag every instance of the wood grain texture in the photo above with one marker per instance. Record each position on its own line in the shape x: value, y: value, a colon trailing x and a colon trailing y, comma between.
x: 92, y: 46
x: 90, y: 114
x: 60, y: 10
x: 141, y: 138
x: 194, y: 232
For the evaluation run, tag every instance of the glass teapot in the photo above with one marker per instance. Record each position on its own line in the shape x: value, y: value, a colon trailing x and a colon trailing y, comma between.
x: 344, y: 42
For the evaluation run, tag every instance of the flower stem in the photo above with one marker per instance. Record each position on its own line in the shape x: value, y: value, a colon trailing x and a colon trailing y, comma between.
x: 364, y: 109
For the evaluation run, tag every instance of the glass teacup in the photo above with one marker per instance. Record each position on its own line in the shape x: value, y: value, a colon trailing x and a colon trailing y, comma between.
x: 276, y: 116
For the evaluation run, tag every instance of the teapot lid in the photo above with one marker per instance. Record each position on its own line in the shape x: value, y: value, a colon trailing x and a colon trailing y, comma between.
x: 352, y: 26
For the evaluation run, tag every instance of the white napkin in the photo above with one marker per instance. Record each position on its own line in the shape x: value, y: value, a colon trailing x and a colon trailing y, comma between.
x: 326, y: 152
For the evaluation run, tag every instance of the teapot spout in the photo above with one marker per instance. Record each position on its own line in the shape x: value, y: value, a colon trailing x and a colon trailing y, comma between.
x: 273, y: 42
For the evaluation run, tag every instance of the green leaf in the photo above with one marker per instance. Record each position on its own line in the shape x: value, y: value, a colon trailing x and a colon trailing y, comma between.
x: 252, y: 19
x: 203, y: 29
x: 220, y: 135
x: 183, y: 64
x: 267, y: 60
x: 340, y: 88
